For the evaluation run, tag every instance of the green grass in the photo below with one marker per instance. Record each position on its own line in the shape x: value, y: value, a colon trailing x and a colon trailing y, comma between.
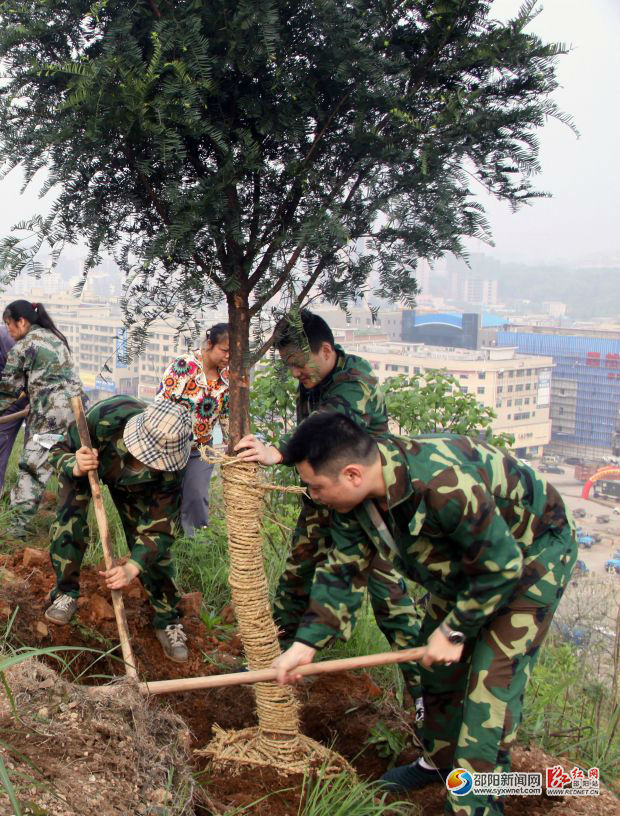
x: 569, y: 712
x: 341, y: 796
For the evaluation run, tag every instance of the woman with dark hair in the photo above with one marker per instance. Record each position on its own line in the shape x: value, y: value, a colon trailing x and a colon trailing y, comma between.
x: 200, y: 381
x: 39, y: 366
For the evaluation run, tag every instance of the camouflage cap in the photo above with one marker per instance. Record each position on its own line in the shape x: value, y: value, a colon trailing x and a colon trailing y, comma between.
x: 160, y: 436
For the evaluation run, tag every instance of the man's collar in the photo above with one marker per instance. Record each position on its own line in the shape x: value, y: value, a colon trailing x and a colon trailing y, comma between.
x: 395, y: 472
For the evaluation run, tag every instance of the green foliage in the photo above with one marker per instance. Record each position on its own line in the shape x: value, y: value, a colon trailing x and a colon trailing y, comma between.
x: 433, y: 401
x: 214, y: 624
x: 10, y: 790
x: 388, y: 743
x: 569, y: 712
x: 273, y: 402
x: 367, y: 638
x: 233, y: 150
x: 202, y: 562
x: 343, y: 796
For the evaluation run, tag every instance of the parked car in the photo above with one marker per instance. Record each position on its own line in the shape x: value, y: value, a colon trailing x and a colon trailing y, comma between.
x: 579, y: 513
x: 573, y: 460
x: 585, y: 541
x: 597, y: 537
x: 603, y: 519
x: 581, y: 568
x: 551, y: 469
x: 613, y: 565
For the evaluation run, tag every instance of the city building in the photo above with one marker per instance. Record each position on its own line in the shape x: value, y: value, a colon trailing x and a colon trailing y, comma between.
x: 515, y: 386
x: 585, y: 386
x: 451, y: 329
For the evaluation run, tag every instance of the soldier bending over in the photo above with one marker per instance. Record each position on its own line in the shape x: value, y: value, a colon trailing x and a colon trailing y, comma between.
x: 491, y: 541
x: 331, y: 379
x: 140, y: 453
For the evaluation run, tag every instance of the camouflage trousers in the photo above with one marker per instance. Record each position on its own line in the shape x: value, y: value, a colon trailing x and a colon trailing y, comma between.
x: 34, y: 472
x: 473, y: 708
x: 396, y: 614
x: 69, y: 537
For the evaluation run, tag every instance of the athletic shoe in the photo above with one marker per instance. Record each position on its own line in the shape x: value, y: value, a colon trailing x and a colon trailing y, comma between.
x: 172, y: 640
x: 62, y: 609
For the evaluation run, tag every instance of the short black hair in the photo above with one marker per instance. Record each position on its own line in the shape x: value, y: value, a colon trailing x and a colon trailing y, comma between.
x: 310, y: 330
x: 216, y: 333
x: 329, y: 441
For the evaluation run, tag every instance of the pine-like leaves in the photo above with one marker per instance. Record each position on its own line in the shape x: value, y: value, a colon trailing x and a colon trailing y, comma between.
x: 251, y: 146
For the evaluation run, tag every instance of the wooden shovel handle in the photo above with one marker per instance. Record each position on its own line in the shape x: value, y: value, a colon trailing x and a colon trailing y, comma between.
x: 267, y: 675
x: 4, y: 420
x: 104, y: 533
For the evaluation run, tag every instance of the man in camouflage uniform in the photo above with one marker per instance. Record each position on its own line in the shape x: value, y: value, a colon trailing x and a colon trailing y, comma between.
x: 330, y: 379
x: 147, y: 494
x: 490, y: 540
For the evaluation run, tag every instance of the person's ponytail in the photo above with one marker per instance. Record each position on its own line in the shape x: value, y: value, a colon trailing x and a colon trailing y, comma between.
x: 36, y: 314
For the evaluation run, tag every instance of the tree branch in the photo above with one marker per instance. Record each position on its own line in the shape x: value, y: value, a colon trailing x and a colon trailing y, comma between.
x: 303, y: 293
x: 285, y: 213
x: 280, y: 280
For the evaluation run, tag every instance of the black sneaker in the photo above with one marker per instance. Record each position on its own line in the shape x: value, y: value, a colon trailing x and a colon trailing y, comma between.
x: 412, y: 777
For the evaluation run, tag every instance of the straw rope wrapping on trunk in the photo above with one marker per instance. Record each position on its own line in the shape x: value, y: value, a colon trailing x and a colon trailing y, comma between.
x: 277, y: 741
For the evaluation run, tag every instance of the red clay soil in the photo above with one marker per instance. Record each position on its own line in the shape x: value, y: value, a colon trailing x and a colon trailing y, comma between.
x: 337, y: 710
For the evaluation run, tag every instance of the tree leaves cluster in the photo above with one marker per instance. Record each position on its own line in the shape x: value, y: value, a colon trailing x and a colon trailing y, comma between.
x: 241, y: 149
x: 432, y: 402
x: 232, y: 147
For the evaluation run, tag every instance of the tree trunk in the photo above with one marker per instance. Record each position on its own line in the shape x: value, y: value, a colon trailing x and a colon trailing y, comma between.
x: 277, y: 742
x: 239, y: 392
x: 277, y: 708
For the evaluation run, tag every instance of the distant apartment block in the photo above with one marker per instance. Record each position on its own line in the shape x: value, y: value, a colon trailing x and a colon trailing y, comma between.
x: 585, y: 386
x: 471, y: 289
x: 516, y: 386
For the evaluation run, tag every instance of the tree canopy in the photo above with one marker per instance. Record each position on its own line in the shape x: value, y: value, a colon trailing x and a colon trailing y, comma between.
x: 241, y: 150
x: 433, y: 402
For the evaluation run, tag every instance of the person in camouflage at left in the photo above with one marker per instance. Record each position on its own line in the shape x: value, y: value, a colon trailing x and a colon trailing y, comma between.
x: 140, y: 453
x: 331, y: 379
x: 485, y: 534
x: 38, y: 366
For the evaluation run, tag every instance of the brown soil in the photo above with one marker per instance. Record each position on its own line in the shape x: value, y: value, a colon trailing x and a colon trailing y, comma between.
x: 339, y: 710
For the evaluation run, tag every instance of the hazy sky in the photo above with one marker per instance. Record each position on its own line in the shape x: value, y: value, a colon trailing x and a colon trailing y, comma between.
x: 581, y: 223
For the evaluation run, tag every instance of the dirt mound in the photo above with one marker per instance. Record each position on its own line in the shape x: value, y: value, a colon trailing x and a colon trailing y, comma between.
x: 337, y: 710
x: 70, y: 755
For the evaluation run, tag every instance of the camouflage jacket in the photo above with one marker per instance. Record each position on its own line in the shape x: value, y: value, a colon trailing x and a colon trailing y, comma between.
x: 157, y: 492
x: 465, y: 520
x: 350, y: 389
x: 40, y: 364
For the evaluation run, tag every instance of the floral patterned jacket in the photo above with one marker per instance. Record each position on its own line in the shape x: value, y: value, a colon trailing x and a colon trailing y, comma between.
x: 184, y: 381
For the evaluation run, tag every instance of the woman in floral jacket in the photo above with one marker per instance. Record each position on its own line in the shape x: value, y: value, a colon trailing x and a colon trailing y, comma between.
x: 199, y: 380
